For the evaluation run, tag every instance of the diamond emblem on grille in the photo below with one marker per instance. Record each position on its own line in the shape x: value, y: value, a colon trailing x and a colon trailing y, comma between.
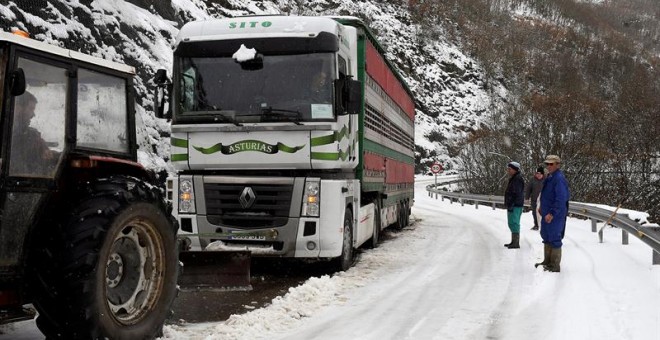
x: 247, y: 197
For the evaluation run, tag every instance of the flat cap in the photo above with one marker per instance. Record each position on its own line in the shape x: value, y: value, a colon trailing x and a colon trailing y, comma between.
x: 552, y: 159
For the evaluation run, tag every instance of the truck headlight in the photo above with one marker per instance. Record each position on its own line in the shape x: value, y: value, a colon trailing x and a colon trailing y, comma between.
x: 311, y: 199
x: 186, y: 196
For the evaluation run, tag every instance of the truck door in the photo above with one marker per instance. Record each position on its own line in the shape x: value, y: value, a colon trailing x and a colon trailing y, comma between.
x: 33, y: 144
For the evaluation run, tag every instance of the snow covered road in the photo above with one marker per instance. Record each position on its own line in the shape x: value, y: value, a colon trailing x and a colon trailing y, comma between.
x: 448, y: 276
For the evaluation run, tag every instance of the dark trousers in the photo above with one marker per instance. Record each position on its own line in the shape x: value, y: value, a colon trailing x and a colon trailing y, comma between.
x: 536, y: 221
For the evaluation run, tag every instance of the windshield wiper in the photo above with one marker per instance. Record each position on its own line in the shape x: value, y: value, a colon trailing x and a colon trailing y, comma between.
x: 281, y: 114
x: 217, y: 115
x: 227, y: 119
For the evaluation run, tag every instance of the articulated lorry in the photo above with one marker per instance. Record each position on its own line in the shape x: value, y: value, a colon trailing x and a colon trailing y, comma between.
x: 291, y: 137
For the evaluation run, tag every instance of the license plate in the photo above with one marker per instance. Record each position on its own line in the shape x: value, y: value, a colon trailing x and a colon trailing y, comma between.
x: 248, y: 237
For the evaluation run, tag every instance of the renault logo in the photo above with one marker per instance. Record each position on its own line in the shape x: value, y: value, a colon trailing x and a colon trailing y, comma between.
x: 247, y: 197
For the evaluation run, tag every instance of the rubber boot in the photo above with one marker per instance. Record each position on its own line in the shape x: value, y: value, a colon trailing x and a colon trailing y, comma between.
x: 555, y: 260
x: 515, y: 241
x: 546, y: 256
x: 509, y: 244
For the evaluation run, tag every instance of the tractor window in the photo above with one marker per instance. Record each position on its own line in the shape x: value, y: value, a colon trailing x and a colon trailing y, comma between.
x: 102, y: 112
x: 38, y: 121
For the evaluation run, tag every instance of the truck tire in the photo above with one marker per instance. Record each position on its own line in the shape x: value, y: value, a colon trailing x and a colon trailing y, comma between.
x: 114, y: 273
x: 375, y: 238
x: 406, y: 214
x: 345, y: 260
x: 399, y: 224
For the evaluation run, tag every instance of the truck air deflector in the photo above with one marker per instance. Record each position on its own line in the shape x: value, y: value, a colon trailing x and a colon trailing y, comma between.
x: 323, y: 42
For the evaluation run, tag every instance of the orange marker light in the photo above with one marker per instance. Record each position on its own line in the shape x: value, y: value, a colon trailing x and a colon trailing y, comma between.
x: 22, y: 33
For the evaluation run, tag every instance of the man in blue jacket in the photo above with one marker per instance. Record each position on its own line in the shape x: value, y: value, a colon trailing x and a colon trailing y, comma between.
x: 554, y: 210
x: 514, y: 198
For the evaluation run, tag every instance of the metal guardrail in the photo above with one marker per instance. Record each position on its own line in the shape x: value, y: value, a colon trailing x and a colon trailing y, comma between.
x: 648, y: 235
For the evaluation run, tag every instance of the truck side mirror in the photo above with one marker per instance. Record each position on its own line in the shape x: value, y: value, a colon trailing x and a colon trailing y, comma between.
x: 161, y: 77
x: 17, y: 82
x: 348, y: 95
x: 354, y: 96
x: 163, y: 89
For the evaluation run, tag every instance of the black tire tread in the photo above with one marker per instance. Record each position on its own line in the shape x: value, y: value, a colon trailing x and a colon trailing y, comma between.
x: 64, y: 274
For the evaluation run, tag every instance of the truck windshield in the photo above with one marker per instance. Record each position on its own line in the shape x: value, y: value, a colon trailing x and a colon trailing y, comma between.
x: 300, y: 85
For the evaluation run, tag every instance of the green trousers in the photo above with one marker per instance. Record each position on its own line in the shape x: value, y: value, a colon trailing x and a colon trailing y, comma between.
x: 513, y: 218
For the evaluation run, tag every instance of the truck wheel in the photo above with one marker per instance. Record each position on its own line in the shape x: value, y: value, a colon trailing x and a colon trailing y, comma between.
x: 116, y: 272
x: 406, y: 214
x: 399, y: 217
x: 375, y: 238
x: 345, y: 260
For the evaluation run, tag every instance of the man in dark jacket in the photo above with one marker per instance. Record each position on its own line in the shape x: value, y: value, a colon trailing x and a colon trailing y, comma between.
x: 31, y: 156
x: 514, y: 199
x: 532, y: 192
x: 554, y: 210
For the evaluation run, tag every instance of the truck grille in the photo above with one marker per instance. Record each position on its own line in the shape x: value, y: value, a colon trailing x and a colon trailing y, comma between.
x: 248, y: 206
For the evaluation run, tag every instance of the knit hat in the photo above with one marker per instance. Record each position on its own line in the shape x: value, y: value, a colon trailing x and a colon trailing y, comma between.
x: 514, y: 166
x: 540, y: 170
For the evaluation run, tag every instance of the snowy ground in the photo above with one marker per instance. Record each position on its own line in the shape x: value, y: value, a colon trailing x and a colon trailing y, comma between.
x: 449, y: 277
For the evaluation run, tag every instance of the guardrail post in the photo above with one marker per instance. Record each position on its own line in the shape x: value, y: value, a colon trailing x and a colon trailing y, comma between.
x: 476, y: 205
x: 493, y: 206
x: 451, y: 200
x: 600, y: 234
x: 461, y: 200
x: 624, y: 234
x: 654, y: 232
x: 594, y: 225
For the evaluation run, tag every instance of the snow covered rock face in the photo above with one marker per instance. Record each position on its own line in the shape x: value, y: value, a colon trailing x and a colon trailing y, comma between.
x: 114, y: 30
x: 447, y: 85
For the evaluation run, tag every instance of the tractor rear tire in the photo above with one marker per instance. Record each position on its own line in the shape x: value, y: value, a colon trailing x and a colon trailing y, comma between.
x: 114, y: 272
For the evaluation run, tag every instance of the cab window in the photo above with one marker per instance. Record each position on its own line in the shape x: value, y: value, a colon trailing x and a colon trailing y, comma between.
x: 38, y: 122
x: 102, y: 112
x: 341, y: 62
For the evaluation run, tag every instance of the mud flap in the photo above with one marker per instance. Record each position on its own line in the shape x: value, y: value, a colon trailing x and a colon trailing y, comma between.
x: 215, y: 271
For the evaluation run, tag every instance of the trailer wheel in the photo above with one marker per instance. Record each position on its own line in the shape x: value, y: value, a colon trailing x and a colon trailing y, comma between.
x: 406, y: 214
x: 345, y: 260
x: 399, y: 217
x: 375, y: 238
x: 115, y: 274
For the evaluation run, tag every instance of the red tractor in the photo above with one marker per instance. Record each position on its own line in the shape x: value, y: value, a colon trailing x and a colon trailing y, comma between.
x: 86, y: 234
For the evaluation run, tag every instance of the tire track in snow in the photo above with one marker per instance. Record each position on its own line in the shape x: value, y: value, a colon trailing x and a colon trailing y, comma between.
x: 429, y: 281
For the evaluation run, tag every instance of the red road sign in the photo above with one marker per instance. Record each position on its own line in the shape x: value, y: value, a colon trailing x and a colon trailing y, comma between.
x: 436, y: 168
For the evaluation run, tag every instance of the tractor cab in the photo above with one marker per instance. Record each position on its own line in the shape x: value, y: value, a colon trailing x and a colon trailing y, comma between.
x: 58, y: 114
x: 86, y: 235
